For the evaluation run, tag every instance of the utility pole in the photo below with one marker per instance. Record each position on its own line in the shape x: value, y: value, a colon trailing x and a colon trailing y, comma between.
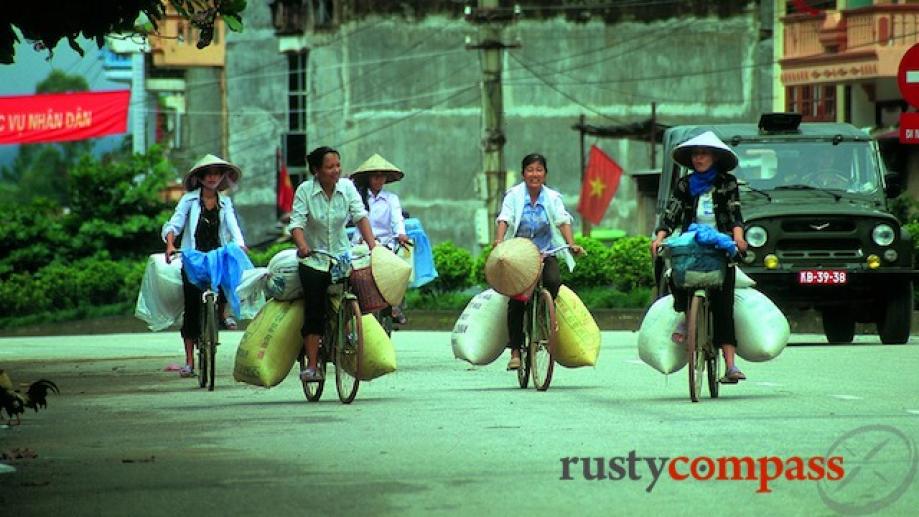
x: 491, y: 21
x: 582, y: 123
x: 653, y: 138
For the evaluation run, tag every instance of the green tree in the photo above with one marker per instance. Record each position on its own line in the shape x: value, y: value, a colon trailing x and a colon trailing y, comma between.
x: 48, y: 21
x: 115, y: 205
x: 41, y: 170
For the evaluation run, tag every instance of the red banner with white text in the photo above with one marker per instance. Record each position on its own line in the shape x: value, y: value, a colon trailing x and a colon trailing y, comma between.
x: 62, y: 117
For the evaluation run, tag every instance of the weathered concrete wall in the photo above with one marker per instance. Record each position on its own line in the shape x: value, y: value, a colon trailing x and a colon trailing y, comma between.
x: 257, y: 105
x: 410, y: 91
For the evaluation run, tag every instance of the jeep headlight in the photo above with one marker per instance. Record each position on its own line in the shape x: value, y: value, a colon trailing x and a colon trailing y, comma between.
x: 756, y: 236
x: 883, y: 235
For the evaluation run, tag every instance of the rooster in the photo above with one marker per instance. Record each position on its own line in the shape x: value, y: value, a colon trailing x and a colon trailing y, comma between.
x: 15, y: 403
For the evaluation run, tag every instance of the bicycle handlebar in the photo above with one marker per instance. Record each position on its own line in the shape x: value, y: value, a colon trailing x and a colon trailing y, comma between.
x: 552, y: 251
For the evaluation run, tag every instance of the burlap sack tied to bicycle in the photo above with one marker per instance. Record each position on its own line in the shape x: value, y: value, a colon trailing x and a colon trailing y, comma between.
x: 513, y: 267
x: 391, y: 274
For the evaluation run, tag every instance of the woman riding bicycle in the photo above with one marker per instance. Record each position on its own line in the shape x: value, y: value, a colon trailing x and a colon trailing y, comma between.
x: 708, y: 196
x: 206, y: 221
x: 384, y: 208
x: 536, y: 212
x: 322, y: 206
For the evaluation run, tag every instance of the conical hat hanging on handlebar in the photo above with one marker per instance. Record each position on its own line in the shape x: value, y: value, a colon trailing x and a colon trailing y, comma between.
x: 377, y: 163
x: 513, y: 266
x: 390, y: 274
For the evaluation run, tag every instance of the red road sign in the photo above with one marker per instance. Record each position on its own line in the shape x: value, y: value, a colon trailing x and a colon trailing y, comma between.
x: 909, y: 128
x: 908, y: 76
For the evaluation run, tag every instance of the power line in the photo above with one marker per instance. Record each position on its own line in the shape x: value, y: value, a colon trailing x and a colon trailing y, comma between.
x: 403, y: 119
x: 564, y: 94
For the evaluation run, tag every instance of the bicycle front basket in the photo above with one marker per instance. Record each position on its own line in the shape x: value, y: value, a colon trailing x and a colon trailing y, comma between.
x: 696, y: 266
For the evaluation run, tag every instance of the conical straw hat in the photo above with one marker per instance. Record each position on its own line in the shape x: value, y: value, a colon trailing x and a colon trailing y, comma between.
x: 513, y: 266
x: 390, y: 274
x: 725, y: 158
x: 233, y: 173
x: 377, y: 163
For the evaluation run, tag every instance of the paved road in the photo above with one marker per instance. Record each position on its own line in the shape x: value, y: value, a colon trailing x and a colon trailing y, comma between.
x: 441, y: 437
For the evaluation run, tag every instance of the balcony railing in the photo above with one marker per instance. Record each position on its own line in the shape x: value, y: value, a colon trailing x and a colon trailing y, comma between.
x: 866, y: 28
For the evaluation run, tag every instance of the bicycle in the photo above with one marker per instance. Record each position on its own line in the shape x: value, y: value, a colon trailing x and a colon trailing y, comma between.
x: 342, y: 342
x: 702, y: 355
x: 207, y: 342
x: 537, y: 359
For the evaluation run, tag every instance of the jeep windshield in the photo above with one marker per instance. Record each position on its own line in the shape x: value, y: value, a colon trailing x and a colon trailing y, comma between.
x: 776, y: 168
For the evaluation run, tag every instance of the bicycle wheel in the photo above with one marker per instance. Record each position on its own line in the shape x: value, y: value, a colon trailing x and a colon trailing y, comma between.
x: 210, y: 342
x: 202, y: 361
x: 313, y: 390
x: 713, y: 366
x: 542, y: 343
x: 696, y: 333
x: 349, y: 349
x: 523, y: 373
x: 385, y: 319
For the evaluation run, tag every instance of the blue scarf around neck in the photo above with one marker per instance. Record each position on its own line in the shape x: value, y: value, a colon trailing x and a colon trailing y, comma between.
x: 699, y: 182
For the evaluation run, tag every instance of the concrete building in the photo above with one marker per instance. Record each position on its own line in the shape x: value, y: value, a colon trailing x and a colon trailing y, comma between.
x: 838, y: 62
x: 402, y: 83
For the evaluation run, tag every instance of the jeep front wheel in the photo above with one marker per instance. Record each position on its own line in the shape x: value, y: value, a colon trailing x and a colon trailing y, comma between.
x: 838, y: 326
x: 894, y: 322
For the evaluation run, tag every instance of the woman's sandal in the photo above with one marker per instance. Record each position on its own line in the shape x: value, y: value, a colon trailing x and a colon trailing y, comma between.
x: 733, y: 376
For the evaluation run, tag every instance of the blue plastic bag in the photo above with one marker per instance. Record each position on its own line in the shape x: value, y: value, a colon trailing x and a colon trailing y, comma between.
x: 221, y: 269
x: 425, y: 272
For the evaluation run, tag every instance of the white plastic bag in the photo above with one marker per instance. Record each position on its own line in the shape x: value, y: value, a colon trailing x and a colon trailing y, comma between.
x: 741, y: 280
x: 480, y: 334
x: 655, y: 343
x: 160, y: 302
x: 251, y: 292
x: 761, y: 329
x: 283, y: 281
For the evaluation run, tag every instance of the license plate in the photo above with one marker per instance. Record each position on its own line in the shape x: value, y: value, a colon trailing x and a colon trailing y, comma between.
x: 822, y: 276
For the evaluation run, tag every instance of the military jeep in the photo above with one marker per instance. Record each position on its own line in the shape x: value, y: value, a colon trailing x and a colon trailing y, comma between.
x: 814, y: 200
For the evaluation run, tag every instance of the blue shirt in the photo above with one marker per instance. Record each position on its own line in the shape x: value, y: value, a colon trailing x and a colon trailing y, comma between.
x: 534, y: 222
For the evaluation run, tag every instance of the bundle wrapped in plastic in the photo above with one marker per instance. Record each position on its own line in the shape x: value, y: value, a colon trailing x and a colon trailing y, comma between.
x: 578, y: 334
x: 160, y: 303
x: 270, y: 345
x: 480, y: 334
x: 655, y: 344
x: 282, y: 281
x: 221, y: 268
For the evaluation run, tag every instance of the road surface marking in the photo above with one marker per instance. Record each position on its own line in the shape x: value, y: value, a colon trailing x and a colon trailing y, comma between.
x: 846, y: 397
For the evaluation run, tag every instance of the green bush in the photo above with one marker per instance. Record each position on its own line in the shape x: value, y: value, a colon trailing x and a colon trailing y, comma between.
x: 454, y: 267
x: 31, y: 236
x: 606, y: 298
x: 593, y: 269
x: 56, y: 287
x: 478, y: 268
x: 419, y: 299
x: 115, y: 205
x: 913, y: 230
x: 260, y: 258
x: 631, y: 263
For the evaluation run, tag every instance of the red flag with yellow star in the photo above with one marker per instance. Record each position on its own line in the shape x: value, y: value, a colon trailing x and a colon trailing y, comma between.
x: 599, y: 186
